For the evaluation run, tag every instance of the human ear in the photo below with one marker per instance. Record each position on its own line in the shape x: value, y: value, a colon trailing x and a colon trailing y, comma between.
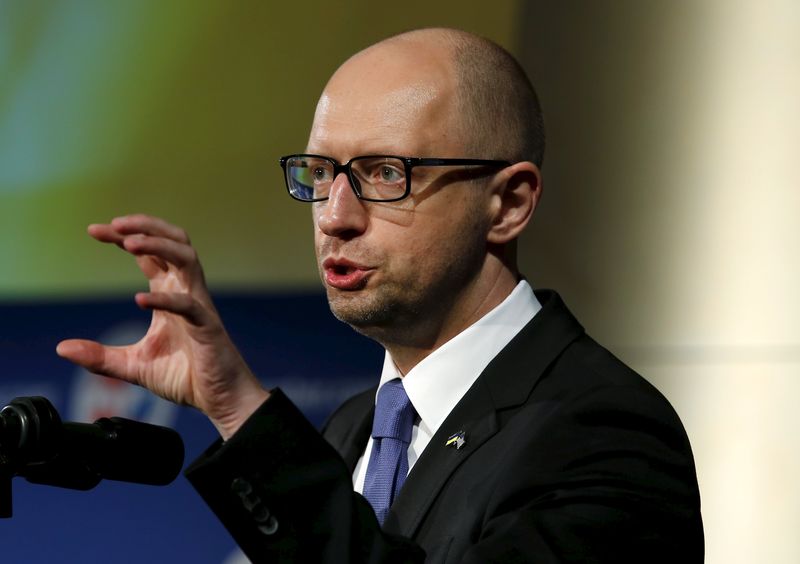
x: 516, y: 191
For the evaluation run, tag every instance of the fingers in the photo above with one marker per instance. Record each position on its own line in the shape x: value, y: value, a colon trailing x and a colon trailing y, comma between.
x: 178, y: 254
x: 120, y: 227
x: 156, y: 243
x: 108, y: 361
x: 149, y: 225
x: 105, y: 233
x: 190, y: 309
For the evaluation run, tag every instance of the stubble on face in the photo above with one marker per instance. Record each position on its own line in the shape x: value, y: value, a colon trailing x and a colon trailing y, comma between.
x: 413, y: 293
x: 426, y: 251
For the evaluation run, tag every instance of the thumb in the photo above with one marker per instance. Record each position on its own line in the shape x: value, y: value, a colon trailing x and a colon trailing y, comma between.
x: 94, y: 357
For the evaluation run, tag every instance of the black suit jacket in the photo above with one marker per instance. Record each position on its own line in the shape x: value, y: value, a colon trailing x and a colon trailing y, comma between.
x: 569, y: 457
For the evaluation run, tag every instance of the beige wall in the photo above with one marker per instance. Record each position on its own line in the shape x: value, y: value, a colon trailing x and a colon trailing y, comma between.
x: 671, y: 222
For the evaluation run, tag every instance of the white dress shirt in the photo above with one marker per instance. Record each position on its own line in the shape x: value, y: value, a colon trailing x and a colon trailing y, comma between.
x: 441, y: 379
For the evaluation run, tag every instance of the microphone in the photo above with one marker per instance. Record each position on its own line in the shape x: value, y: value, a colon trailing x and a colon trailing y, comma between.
x: 44, y: 450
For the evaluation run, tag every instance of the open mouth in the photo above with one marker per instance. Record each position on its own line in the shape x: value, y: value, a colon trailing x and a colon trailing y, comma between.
x: 342, y: 269
x: 345, y: 275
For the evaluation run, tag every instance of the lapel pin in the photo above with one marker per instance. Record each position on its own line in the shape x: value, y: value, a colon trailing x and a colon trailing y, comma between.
x: 457, y: 440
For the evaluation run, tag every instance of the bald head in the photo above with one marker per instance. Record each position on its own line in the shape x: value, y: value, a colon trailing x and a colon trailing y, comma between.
x: 502, y: 116
x: 391, y: 266
x: 496, y: 108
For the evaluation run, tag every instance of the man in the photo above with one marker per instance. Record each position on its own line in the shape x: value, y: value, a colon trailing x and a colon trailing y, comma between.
x: 523, y: 440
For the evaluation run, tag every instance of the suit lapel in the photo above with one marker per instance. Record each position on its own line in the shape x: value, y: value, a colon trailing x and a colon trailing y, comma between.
x: 348, y: 429
x: 437, y: 463
x: 507, y: 382
x: 361, y: 432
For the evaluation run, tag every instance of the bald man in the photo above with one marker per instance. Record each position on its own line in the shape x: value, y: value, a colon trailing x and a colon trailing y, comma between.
x: 515, y: 437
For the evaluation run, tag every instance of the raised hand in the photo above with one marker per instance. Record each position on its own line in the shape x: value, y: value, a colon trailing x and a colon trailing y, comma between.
x: 186, y: 356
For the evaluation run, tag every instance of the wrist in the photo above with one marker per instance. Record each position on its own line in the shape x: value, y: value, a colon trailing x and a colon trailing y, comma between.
x: 229, y: 421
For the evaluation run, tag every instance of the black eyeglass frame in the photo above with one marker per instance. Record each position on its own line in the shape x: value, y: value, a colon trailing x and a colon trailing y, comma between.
x: 408, y: 162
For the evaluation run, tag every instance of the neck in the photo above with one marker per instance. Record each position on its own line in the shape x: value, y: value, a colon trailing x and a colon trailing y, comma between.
x: 431, y: 333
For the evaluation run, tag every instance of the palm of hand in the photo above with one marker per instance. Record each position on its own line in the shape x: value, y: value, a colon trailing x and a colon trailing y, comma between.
x: 186, y: 355
x: 180, y: 358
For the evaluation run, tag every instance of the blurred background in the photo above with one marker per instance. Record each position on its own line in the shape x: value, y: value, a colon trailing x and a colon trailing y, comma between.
x: 669, y: 223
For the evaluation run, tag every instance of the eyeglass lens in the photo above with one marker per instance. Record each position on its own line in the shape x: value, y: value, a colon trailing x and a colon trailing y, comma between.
x: 374, y: 178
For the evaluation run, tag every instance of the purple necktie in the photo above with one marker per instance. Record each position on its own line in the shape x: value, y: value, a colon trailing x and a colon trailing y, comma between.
x: 391, y: 434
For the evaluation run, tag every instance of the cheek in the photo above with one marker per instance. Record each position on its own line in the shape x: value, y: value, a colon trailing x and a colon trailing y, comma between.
x: 430, y: 251
x: 317, y: 243
x: 319, y: 236
x: 405, y: 253
x: 460, y: 240
x: 316, y: 210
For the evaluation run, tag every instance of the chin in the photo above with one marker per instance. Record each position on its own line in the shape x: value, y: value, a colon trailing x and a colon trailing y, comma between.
x: 360, y: 311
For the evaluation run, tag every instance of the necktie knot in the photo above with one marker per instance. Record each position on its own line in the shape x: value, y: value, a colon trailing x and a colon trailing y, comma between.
x: 394, y: 413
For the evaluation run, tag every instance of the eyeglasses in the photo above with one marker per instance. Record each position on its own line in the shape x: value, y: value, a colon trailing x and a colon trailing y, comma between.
x: 374, y: 178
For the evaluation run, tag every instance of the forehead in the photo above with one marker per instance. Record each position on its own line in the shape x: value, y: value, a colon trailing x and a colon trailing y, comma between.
x: 391, y: 100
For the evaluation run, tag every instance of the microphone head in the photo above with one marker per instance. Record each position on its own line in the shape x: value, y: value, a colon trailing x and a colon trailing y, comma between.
x: 30, y: 430
x: 35, y: 444
x: 113, y: 449
x: 138, y: 452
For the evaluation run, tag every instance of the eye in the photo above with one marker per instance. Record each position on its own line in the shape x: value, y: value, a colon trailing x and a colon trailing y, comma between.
x: 319, y: 173
x: 379, y: 178
x: 390, y: 174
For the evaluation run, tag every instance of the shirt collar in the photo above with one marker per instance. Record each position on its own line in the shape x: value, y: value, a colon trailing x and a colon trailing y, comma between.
x: 441, y: 379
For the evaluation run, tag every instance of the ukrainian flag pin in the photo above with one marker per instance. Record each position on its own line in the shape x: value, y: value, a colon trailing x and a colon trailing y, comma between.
x: 457, y: 440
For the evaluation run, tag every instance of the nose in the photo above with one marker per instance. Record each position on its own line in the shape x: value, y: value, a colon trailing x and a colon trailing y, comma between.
x: 343, y: 215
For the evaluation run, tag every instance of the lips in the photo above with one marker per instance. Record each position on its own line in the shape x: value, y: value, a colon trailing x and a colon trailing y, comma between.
x: 343, y: 274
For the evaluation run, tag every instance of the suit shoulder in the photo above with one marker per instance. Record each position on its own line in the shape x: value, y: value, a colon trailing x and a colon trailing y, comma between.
x: 597, y: 380
x: 589, y: 360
